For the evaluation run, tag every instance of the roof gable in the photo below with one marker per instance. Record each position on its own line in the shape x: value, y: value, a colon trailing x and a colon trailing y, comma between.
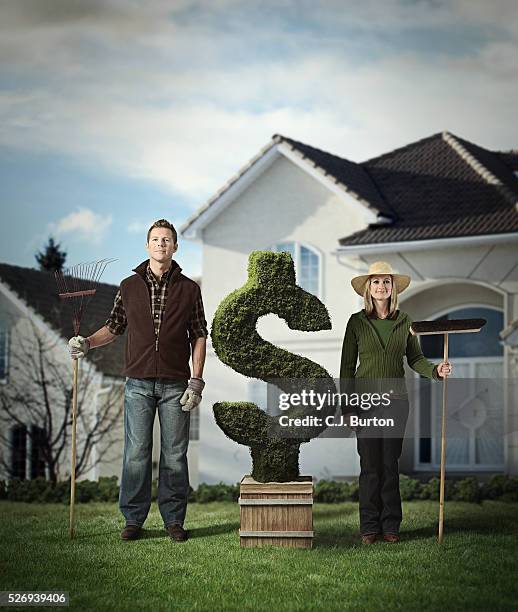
x: 351, y: 175
x: 39, y: 291
x: 340, y: 175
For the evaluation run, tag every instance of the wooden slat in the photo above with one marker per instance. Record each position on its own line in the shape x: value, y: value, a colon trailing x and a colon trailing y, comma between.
x: 276, y: 513
x: 249, y: 485
x: 279, y: 501
x: 275, y: 534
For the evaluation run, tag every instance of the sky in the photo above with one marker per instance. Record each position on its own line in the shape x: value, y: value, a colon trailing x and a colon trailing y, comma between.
x: 114, y: 113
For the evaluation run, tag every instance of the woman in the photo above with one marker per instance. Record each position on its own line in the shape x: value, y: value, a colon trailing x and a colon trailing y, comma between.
x: 380, y: 336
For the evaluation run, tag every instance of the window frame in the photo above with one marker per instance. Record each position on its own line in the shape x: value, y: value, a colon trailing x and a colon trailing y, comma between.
x: 298, y: 245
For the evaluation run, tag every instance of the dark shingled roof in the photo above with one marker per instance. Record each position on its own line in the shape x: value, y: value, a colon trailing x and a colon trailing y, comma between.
x: 441, y: 187
x: 351, y: 175
x: 39, y: 291
x: 510, y: 159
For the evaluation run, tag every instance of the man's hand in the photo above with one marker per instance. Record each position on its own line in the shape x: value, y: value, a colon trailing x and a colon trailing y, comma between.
x: 78, y: 347
x: 192, y: 395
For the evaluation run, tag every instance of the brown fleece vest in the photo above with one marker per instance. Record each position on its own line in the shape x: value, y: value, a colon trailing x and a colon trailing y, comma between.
x: 168, y: 355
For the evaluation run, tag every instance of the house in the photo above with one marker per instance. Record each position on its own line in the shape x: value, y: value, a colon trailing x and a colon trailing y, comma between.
x: 442, y: 210
x: 34, y: 328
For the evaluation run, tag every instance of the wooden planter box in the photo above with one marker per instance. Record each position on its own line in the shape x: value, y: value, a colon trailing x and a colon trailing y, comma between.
x: 276, y: 513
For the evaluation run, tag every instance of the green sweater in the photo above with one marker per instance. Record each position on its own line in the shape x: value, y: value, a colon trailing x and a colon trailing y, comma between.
x: 376, y: 360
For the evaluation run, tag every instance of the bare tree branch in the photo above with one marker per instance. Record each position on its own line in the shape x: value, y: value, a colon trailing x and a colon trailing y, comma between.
x: 39, y: 393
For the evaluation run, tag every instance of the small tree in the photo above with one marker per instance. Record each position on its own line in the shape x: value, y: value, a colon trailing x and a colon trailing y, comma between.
x: 51, y: 258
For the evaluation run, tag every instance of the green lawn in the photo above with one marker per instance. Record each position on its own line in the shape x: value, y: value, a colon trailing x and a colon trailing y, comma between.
x: 475, y: 569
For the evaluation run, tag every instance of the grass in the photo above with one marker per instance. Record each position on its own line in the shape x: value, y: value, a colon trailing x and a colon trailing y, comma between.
x: 476, y: 568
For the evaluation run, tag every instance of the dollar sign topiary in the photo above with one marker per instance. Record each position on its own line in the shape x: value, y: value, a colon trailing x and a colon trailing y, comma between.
x: 271, y: 288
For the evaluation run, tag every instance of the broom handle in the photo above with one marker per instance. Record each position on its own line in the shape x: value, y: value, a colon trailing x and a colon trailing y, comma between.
x: 443, y: 444
x: 73, y: 458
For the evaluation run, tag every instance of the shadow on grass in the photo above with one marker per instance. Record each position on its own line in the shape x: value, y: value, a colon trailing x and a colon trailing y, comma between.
x: 333, y: 512
x: 195, y: 532
x: 333, y: 536
x: 336, y: 538
x: 459, y: 525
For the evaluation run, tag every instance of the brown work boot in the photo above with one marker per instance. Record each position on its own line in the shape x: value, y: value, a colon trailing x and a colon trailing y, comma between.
x: 369, y: 538
x: 391, y: 537
x: 131, y: 532
x: 177, y: 533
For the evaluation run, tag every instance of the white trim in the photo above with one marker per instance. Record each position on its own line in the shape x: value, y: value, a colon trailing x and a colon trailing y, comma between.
x: 422, y: 245
x: 470, y: 159
x: 479, y: 167
x: 193, y: 227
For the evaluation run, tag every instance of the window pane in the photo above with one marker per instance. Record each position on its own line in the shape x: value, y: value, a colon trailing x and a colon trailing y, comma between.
x: 308, y: 270
x: 37, y: 440
x: 306, y: 262
x: 18, y: 451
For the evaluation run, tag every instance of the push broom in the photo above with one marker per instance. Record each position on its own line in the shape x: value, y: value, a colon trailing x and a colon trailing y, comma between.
x: 78, y: 285
x: 428, y: 328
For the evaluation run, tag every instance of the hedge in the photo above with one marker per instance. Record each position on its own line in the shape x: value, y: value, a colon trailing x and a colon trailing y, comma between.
x: 499, y: 487
x: 270, y: 288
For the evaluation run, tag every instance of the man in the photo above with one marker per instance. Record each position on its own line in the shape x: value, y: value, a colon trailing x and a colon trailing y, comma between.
x: 163, y: 312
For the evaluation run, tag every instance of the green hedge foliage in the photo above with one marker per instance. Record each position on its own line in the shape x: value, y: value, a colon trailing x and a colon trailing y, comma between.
x: 499, y: 487
x: 270, y: 288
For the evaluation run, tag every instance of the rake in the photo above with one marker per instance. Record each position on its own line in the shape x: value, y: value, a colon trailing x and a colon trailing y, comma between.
x: 78, y: 285
x: 428, y: 328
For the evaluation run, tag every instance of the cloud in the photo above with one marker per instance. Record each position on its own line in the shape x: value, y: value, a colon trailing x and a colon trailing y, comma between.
x: 83, y: 225
x: 185, y: 93
x: 140, y: 227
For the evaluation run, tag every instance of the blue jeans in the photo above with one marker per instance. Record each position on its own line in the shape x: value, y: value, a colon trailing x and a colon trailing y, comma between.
x: 142, y: 397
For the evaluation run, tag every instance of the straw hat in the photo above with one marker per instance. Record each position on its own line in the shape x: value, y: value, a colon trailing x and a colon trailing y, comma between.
x: 401, y: 281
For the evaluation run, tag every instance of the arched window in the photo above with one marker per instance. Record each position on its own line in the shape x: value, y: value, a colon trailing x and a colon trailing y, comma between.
x: 308, y: 268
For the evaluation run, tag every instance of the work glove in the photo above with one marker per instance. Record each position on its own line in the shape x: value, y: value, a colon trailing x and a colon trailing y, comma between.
x: 192, y: 395
x: 78, y: 347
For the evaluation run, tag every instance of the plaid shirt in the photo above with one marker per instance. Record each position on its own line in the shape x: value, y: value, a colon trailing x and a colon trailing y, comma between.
x: 117, y: 322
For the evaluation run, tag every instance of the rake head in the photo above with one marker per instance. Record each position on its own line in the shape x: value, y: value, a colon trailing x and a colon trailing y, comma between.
x: 79, y: 284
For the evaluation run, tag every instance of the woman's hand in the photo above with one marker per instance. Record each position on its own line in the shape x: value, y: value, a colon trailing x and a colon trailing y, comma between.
x: 444, y: 369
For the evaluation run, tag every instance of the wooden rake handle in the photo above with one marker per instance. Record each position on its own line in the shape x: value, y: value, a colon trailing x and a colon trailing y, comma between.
x: 443, y: 445
x: 73, y: 455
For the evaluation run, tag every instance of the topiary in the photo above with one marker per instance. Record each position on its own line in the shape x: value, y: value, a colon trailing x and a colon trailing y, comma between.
x: 270, y: 288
